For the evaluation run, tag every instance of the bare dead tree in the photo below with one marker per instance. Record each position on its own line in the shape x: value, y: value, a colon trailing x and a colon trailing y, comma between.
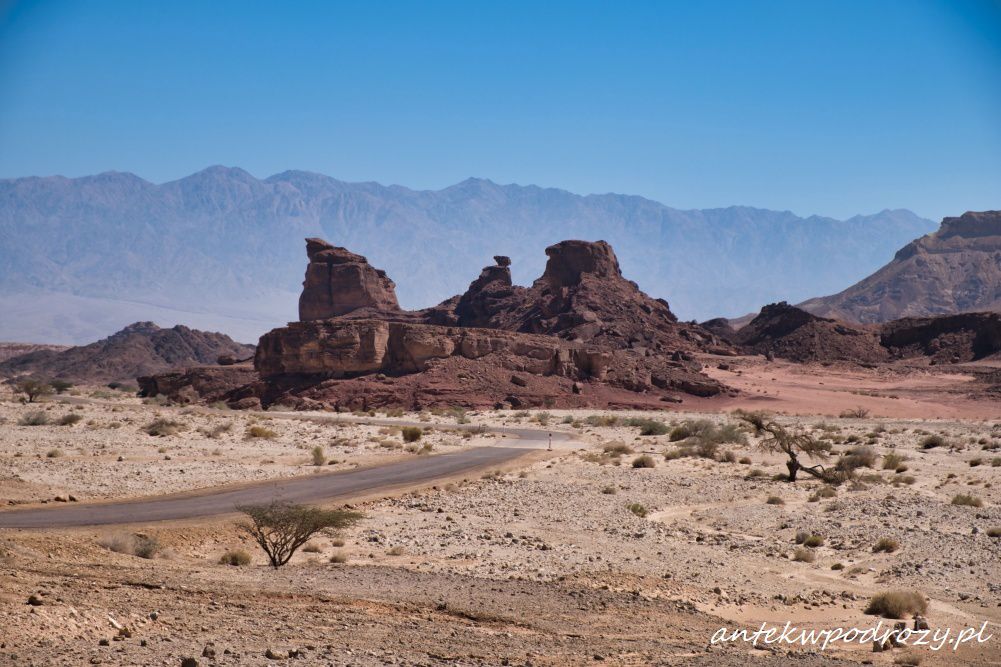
x: 777, y: 439
x: 281, y: 528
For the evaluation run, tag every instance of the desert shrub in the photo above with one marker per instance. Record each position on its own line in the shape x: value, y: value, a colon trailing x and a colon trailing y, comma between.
x: 838, y: 566
x: 996, y: 462
x: 54, y: 453
x: 976, y: 462
x: 609, y: 490
x: 755, y: 473
x: 823, y: 492
x: 258, y: 431
x: 216, y: 431
x: 892, y: 461
x: 70, y: 419
x: 897, y: 604
x: 601, y: 420
x: 235, y: 557
x: 931, y: 441
x: 802, y: 555
x: 967, y: 500
x: 644, y: 461
x: 163, y: 427
x: 395, y: 551
x: 281, y: 528
x: 319, y: 458
x: 139, y: 544
x: 312, y: 548
x: 617, y: 449
x: 775, y: 500
x: 338, y: 558
x: 994, y: 532
x: 648, y: 426
x: 814, y: 541
x: 60, y: 386
x: 637, y: 509
x: 36, y: 418
x: 728, y: 457
x: 745, y: 460
x: 411, y: 433
x: 903, y: 479
x: 776, y: 438
x: 885, y: 545
x: 855, y: 413
x: 858, y: 457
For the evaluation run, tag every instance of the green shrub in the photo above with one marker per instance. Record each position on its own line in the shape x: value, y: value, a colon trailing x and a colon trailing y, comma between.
x: 649, y: 426
x: 637, y: 509
x: 897, y: 604
x: 967, y: 500
x: 319, y: 458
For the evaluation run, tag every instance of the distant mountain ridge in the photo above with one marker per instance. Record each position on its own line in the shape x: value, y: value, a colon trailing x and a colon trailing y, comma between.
x: 142, y: 348
x: 220, y: 249
x: 956, y: 269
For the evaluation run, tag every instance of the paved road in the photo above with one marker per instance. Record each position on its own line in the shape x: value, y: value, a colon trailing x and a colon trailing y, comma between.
x: 305, y: 489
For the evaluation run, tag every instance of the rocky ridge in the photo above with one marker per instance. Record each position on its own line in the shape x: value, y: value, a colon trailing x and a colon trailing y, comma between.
x: 957, y: 269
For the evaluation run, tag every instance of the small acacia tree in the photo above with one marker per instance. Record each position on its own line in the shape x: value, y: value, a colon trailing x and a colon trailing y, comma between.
x: 281, y: 528
x: 33, y: 388
x: 776, y: 438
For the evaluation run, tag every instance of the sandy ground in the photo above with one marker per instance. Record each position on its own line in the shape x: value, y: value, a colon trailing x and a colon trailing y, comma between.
x: 571, y: 558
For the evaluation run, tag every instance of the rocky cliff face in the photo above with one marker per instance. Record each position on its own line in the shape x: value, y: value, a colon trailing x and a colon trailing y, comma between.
x: 792, y: 333
x: 339, y: 282
x: 581, y: 335
x: 954, y: 270
x: 582, y: 296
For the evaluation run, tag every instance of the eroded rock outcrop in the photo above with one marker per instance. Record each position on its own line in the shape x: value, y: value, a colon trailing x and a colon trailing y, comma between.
x: 339, y: 282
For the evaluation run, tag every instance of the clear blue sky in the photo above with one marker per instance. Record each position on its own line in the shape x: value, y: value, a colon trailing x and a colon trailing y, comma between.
x: 829, y: 107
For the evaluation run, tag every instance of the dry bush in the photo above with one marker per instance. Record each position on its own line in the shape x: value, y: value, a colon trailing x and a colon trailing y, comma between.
x: 235, y: 557
x: 216, y: 431
x: 931, y: 441
x: 319, y: 458
x: 36, y: 418
x: 994, y: 532
x: 312, y: 548
x: 609, y: 490
x: 338, y: 558
x: 70, y: 419
x: 775, y: 500
x: 54, y: 453
x: 825, y: 491
x: 163, y: 427
x: 814, y: 541
x: 885, y: 545
x: 138, y: 544
x: 649, y: 426
x: 857, y: 457
x: 897, y: 604
x: 617, y: 449
x: 644, y: 461
x: 802, y: 555
x: 745, y: 460
x: 976, y: 462
x: 855, y: 413
x: 258, y: 431
x: 967, y: 500
x: 281, y: 528
x: 411, y: 433
x: 601, y: 420
x: 892, y: 461
x: 395, y: 551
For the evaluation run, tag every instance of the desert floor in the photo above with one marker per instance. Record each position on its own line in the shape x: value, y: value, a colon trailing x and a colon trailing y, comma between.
x: 568, y: 557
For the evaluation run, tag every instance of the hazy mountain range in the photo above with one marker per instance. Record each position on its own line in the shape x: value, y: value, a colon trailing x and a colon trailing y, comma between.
x: 222, y: 250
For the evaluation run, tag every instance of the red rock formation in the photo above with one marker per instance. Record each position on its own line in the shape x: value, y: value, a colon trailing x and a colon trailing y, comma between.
x: 339, y: 282
x: 201, y: 384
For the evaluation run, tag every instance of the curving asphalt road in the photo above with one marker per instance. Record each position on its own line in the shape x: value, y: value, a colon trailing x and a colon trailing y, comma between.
x: 308, y: 488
